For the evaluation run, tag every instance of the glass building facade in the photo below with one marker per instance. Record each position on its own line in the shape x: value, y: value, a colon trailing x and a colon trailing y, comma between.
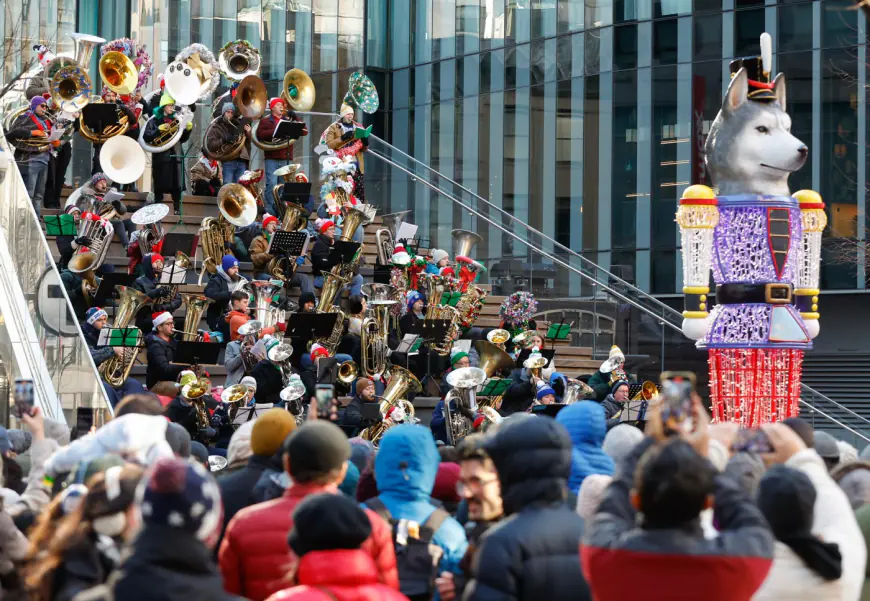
x: 585, y: 119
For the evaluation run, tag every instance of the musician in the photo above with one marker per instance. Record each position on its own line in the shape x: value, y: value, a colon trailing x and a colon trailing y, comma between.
x: 268, y: 376
x: 159, y: 294
x: 276, y: 158
x: 307, y: 303
x: 545, y: 395
x: 206, y: 176
x: 72, y: 283
x: 233, y: 170
x: 160, y: 345
x: 238, y: 316
x: 416, y: 305
x: 219, y: 288
x: 438, y: 261
x: 90, y: 199
x: 260, y: 244
x: 152, y: 100
x: 234, y: 362
x: 58, y: 164
x: 352, y: 421
x: 600, y: 381
x: 438, y: 423
x: 340, y: 138
x: 166, y: 166
x: 32, y: 162
x: 110, y: 97
x: 95, y: 320
x: 323, y: 259
x: 615, y: 402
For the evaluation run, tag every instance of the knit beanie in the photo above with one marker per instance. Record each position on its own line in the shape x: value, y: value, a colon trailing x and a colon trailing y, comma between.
x: 99, y: 177
x: 544, y: 391
x: 274, y: 101
x: 270, y: 430
x: 826, y: 445
x: 267, y: 219
x: 228, y: 262
x: 591, y: 494
x: 316, y: 448
x: 199, y: 453
x: 446, y: 479
x: 183, y: 496
x: 617, y: 385
x: 318, y: 350
x: 362, y: 384
x: 94, y: 314
x: 346, y: 109
x: 179, y: 440
x: 437, y: 255
x: 323, y: 224
x: 228, y: 106
x: 307, y: 297
x: 151, y: 257
x: 249, y: 382
x: 455, y: 357
x: 328, y: 521
x: 620, y: 440
x: 35, y: 102
x: 413, y: 297
x: 786, y: 498
x: 239, y: 449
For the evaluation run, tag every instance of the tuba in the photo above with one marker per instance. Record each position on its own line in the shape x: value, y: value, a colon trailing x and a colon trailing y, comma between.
x: 492, y: 360
x: 263, y: 310
x: 464, y: 382
x: 348, y: 372
x: 238, y: 208
x: 400, y: 384
x: 115, y: 370
x: 647, y: 392
x: 164, y: 140
x: 287, y: 173
x: 150, y: 216
x: 249, y: 331
x: 194, y: 306
x: 238, y: 59
x: 118, y: 72
x: 198, y: 61
x: 298, y: 93
x: 195, y: 392
x: 386, y: 236
x: 450, y: 314
x: 577, y: 390
x: 470, y: 305
x: 434, y: 287
x: 87, y: 262
x: 121, y: 125
x: 223, y: 140
x: 251, y: 98
x: 361, y: 93
x: 374, y: 335
x: 464, y: 242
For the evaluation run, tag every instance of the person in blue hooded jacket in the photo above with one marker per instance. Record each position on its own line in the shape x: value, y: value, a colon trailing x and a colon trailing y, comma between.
x: 587, y: 427
x: 405, y: 469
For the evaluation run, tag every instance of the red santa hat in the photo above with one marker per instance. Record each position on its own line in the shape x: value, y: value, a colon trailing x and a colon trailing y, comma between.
x: 324, y: 224
x: 160, y: 318
x: 448, y: 272
x: 160, y: 81
x: 267, y: 219
x: 274, y: 101
x: 318, y: 351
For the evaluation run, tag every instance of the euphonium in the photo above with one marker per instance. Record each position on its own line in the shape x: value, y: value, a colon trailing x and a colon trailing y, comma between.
x: 83, y: 264
x: 386, y: 236
x: 238, y: 208
x: 249, y: 331
x: 195, y: 392
x: 115, y: 370
x: 194, y: 306
x: 400, y: 384
x: 164, y: 140
x: 464, y: 382
x: 434, y: 287
x: 648, y: 392
x: 150, y: 216
x: 263, y: 310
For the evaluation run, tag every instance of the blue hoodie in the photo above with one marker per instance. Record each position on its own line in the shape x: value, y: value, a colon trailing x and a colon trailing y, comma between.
x: 586, y: 425
x: 405, y: 469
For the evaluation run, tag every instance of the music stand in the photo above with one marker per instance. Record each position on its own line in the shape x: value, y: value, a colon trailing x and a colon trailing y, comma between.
x: 327, y: 370
x: 98, y: 116
x: 60, y: 225
x: 303, y: 327
x: 559, y: 331
x: 296, y: 192
x: 287, y: 130
x: 409, y: 345
x: 172, y: 274
x: 633, y: 412
x: 346, y: 249
x: 186, y: 243
x: 289, y: 244
x: 202, y: 353
x: 548, y: 354
x: 551, y: 410
x: 121, y: 337
x: 106, y: 290
x: 495, y: 387
x: 382, y: 274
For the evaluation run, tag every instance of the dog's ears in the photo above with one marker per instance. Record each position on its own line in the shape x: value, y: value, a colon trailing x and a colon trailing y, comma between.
x: 737, y: 91
x: 779, y: 89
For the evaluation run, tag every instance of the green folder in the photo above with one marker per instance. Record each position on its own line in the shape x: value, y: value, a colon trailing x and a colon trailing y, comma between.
x: 416, y: 346
x: 360, y: 133
x: 125, y: 337
x: 495, y: 387
x: 60, y: 225
x: 559, y: 331
x: 451, y: 298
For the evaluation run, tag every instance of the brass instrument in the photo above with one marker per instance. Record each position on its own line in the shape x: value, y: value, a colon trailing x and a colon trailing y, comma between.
x: 464, y: 242
x: 575, y: 391
x: 31, y: 144
x: 287, y: 175
x: 70, y: 84
x: 648, y: 392
x: 614, y: 365
x: 238, y: 208
x: 280, y: 355
x: 150, y: 216
x: 118, y: 72
x: 470, y: 304
x: 263, y: 310
x: 165, y: 140
x: 434, y: 287
x: 292, y: 392
x: 401, y: 382
x: 122, y: 159
x: 348, y: 372
x: 249, y: 332
x: 535, y: 364
x: 251, y: 98
x: 85, y: 263
x: 196, y: 59
x: 109, y: 131
x: 234, y: 395
x: 195, y: 393
x: 374, y: 334
x: 241, y: 285
x: 464, y: 382
x: 223, y: 140
x: 523, y: 340
x: 450, y: 314
x: 298, y: 93
x: 386, y: 236
x: 499, y: 337
x: 492, y: 360
x: 294, y: 218
x: 115, y: 370
x: 238, y: 59
x: 361, y: 93
x: 194, y: 306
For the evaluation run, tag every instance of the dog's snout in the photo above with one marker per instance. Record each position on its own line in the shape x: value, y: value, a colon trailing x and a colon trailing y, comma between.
x: 803, y: 150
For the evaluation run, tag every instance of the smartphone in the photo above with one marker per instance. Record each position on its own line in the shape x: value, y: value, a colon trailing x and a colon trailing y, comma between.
x: 324, y: 394
x: 751, y: 441
x: 23, y: 397
x: 84, y: 421
x: 677, y: 389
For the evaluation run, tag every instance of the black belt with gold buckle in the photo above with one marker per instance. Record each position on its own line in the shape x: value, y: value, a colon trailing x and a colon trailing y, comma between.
x: 772, y: 294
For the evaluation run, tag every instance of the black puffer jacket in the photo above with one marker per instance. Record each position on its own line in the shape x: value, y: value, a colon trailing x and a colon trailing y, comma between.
x: 237, y: 489
x: 148, y: 285
x: 533, y: 553
x: 217, y: 289
x: 160, y: 366
x: 85, y: 564
x: 269, y: 382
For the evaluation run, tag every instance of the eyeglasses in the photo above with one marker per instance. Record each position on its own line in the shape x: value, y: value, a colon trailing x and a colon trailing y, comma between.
x: 473, y: 484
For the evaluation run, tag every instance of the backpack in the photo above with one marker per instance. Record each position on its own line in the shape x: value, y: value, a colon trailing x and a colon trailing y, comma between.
x: 416, y: 558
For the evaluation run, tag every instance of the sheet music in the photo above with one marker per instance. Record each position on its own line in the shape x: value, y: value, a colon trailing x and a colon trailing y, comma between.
x: 56, y: 134
x: 407, y: 231
x: 112, y: 195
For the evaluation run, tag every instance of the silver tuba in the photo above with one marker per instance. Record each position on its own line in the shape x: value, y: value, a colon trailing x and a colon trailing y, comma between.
x: 150, y: 216
x: 386, y: 236
x: 464, y: 382
x: 86, y: 261
x: 263, y: 310
x: 249, y: 331
x: 464, y: 242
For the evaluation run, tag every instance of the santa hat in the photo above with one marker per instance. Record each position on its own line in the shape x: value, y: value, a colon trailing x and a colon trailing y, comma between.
x: 274, y: 101
x: 324, y: 224
x: 301, y: 178
x: 160, y: 81
x: 317, y: 351
x: 267, y: 219
x: 95, y: 314
x: 448, y: 272
x: 160, y: 318
x: 346, y: 109
x: 400, y: 255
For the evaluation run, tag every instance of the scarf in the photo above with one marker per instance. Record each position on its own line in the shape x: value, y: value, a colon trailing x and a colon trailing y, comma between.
x: 209, y: 164
x: 224, y: 275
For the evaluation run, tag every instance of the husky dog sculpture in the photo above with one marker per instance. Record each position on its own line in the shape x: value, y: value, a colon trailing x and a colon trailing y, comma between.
x: 763, y: 245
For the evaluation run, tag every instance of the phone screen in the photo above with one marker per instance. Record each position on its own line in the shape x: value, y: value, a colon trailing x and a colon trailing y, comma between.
x: 751, y: 441
x: 677, y: 389
x: 324, y: 394
x: 23, y: 397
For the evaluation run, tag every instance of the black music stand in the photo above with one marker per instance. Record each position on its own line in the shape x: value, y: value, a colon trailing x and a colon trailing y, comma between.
x: 346, y: 249
x: 634, y: 412
x: 288, y: 130
x: 106, y: 290
x: 289, y: 244
x: 186, y: 243
x: 383, y: 273
x: 121, y: 337
x: 327, y: 370
x: 201, y: 353
x: 303, y: 327
x: 296, y: 192
x: 98, y: 116
x: 525, y: 353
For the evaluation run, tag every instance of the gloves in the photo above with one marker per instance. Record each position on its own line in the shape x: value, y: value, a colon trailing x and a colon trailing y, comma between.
x: 216, y: 421
x: 119, y: 207
x: 365, y: 142
x: 347, y: 136
x: 83, y: 241
x: 163, y: 127
x: 189, y: 126
x: 300, y: 261
x: 163, y: 291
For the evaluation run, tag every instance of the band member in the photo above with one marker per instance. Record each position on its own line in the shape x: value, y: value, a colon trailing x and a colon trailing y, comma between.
x: 32, y: 159
x: 339, y: 137
x: 152, y: 100
x: 91, y: 200
x: 239, y: 315
x: 268, y: 377
x: 219, y: 287
x: 160, y: 346
x: 206, y: 177
x: 233, y: 170
x: 95, y: 320
x: 259, y: 245
x: 109, y: 97
x: 166, y: 166
x: 438, y: 261
x: 159, y: 295
x: 58, y: 164
x: 322, y: 259
x: 276, y: 158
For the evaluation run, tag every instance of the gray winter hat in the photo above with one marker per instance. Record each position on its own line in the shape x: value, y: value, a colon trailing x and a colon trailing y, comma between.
x: 826, y: 445
x: 228, y: 106
x: 620, y: 440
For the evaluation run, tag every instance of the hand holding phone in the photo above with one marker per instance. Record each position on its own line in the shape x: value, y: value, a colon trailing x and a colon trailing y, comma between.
x: 324, y: 396
x: 23, y: 397
x: 751, y: 441
x: 677, y: 390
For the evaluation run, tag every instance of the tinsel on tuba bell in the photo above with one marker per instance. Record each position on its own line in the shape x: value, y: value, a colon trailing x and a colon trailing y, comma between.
x: 401, y: 382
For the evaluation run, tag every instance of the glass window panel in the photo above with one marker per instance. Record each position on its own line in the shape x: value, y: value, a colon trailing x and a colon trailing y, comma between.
x: 543, y: 19
x: 624, y: 170
x: 748, y: 27
x: 794, y: 29
x: 300, y: 26
x: 665, y: 42
x: 325, y: 54
x: 706, y: 101
x: 423, y: 84
x: 225, y: 13
x: 671, y: 8
x: 401, y: 88
x: 468, y: 75
x: 625, y: 10
x: 599, y: 13
x: 665, y: 182
x: 564, y: 57
x: 275, y: 32
x: 496, y: 71
x: 400, y: 34
x: 519, y: 21
x: 377, y: 34
x: 591, y: 154
x: 625, y: 47
x: 443, y: 28
x: 569, y: 14
x: 708, y: 38
x: 423, y: 32
x: 444, y: 80
x: 744, y: 3
x: 707, y: 6
x: 592, y: 51
x: 248, y: 22
x: 468, y: 20
x: 839, y: 23
x: 492, y: 23
x: 351, y: 16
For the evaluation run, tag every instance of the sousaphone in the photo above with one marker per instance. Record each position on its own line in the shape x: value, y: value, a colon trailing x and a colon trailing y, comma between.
x: 238, y: 59
x: 122, y: 159
x: 362, y: 93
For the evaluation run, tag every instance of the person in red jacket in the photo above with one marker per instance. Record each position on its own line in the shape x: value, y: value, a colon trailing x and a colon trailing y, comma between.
x: 327, y: 533
x: 254, y: 556
x: 275, y: 158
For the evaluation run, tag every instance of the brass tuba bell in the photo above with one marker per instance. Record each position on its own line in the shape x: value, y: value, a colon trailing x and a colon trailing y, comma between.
x: 464, y: 242
x: 118, y: 72
x: 401, y: 382
x: 251, y: 97
x: 237, y: 205
x: 298, y: 90
x: 492, y: 358
x: 238, y: 59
